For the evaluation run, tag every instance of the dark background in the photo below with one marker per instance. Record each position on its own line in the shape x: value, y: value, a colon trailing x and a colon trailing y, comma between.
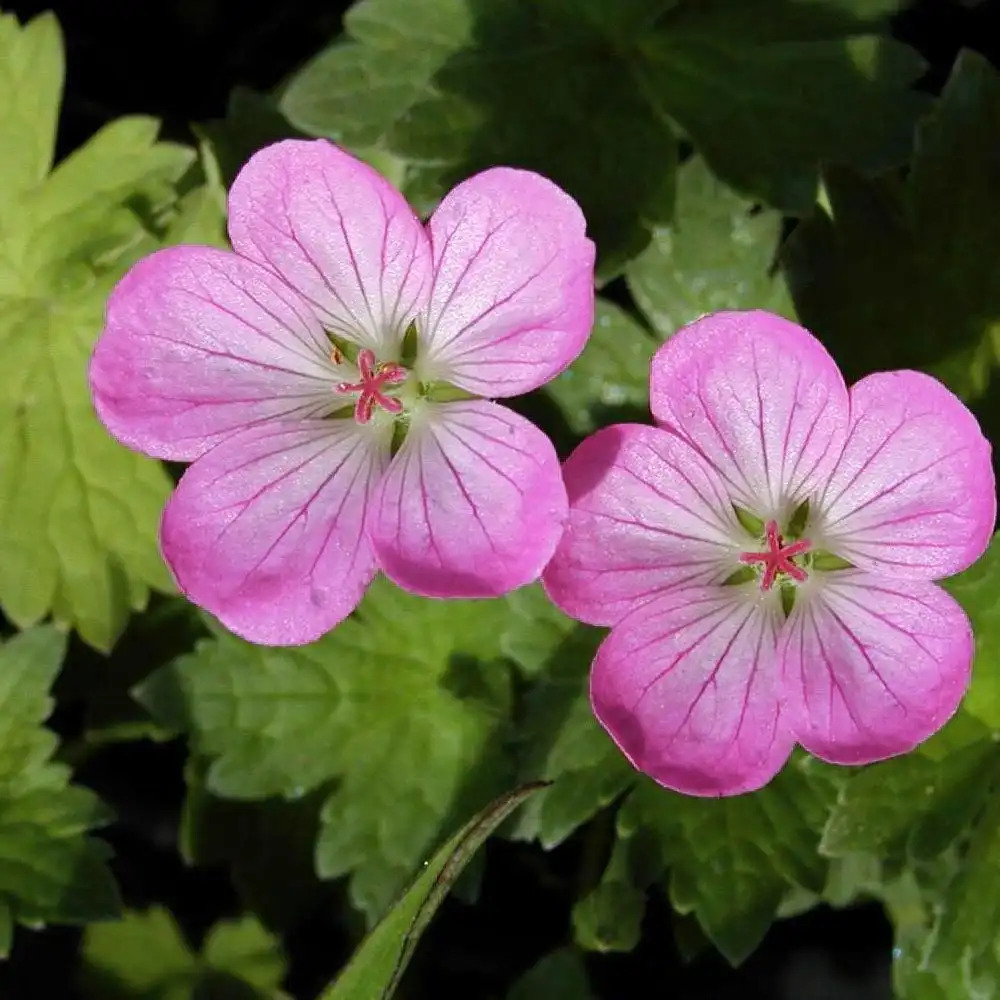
x: 178, y: 60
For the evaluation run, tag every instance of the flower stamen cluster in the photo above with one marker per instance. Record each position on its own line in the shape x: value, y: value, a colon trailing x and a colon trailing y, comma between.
x: 777, y: 560
x: 375, y: 376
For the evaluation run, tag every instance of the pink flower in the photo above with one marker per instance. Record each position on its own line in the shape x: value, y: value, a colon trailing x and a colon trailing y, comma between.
x: 716, y: 544
x: 325, y: 378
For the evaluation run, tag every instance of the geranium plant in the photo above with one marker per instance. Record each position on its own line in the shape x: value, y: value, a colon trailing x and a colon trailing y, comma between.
x: 497, y: 500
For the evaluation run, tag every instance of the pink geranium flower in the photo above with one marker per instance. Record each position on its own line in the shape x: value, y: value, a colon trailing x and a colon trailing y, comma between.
x: 765, y: 557
x: 325, y: 378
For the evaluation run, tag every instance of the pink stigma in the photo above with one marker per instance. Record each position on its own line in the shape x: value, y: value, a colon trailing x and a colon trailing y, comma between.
x: 778, y: 558
x: 374, y: 377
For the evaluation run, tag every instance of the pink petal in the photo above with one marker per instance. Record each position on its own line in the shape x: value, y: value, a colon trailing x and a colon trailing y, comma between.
x: 339, y: 233
x: 762, y: 400
x: 688, y: 686
x: 266, y: 530
x: 473, y: 503
x: 512, y: 302
x: 200, y: 343
x: 647, y: 513
x: 873, y: 666
x: 913, y: 494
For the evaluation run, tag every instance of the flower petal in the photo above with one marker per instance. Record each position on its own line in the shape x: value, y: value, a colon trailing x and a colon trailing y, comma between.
x: 688, y: 686
x: 913, y: 494
x: 266, y: 530
x: 873, y: 666
x: 473, y: 503
x: 337, y: 231
x: 647, y: 513
x: 200, y: 343
x: 762, y: 400
x: 512, y: 302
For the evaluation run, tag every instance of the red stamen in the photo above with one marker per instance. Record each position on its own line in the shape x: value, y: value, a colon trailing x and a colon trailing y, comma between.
x: 778, y: 558
x: 374, y: 377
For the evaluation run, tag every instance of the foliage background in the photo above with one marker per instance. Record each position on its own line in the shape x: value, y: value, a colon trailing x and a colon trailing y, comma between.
x: 255, y: 809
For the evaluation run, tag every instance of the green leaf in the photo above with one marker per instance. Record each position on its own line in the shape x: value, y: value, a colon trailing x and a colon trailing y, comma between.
x: 50, y: 871
x: 976, y: 590
x: 963, y: 951
x: 535, y: 629
x: 769, y: 89
x: 377, y: 966
x: 892, y: 265
x: 401, y: 708
x: 31, y: 79
x: 145, y: 957
x: 200, y: 214
x: 930, y: 818
x: 909, y: 805
x: 609, y: 382
x: 560, y: 975
x: 946, y: 912
x: 559, y: 739
x: 732, y: 860
x: 243, y: 950
x: 719, y: 253
x: 609, y: 917
x: 142, y: 956
x: 78, y: 513
x: 357, y: 88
